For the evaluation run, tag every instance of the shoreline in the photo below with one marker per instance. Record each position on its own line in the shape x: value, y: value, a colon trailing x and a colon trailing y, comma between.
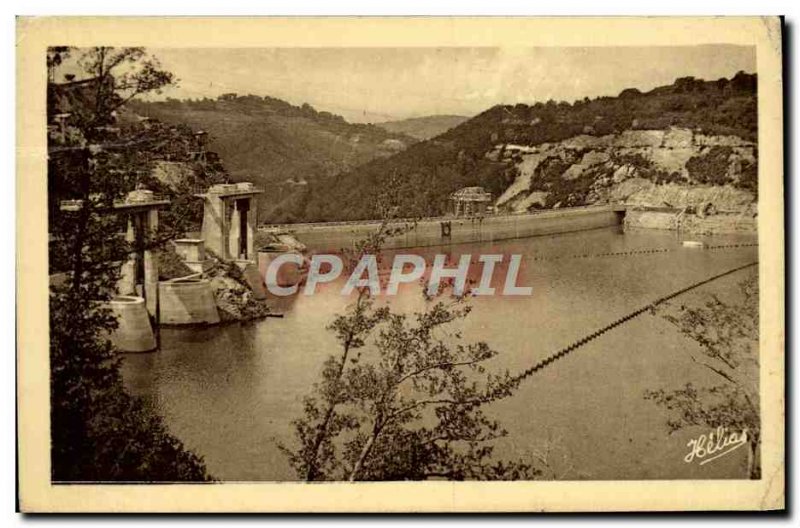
x: 678, y: 221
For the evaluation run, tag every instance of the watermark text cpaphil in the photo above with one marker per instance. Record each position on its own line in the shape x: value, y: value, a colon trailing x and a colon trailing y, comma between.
x: 483, y: 275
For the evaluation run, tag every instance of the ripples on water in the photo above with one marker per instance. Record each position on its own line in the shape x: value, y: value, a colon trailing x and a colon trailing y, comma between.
x: 230, y: 392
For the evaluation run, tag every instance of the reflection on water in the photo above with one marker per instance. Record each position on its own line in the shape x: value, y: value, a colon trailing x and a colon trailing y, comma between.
x: 230, y: 392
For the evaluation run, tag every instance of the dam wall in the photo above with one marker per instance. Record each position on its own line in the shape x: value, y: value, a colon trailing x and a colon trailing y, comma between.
x: 334, y: 236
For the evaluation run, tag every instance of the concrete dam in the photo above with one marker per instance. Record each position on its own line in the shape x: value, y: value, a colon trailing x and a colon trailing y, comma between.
x: 332, y: 236
x: 143, y: 301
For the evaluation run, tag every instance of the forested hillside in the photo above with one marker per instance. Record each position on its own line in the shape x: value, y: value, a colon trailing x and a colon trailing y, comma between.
x: 467, y: 155
x: 280, y: 147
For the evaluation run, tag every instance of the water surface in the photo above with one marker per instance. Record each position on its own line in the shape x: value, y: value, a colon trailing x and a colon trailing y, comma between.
x: 230, y: 392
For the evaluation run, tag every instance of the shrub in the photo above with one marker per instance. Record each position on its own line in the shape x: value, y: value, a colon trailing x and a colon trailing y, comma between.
x: 748, y: 180
x: 99, y: 432
x: 711, y: 167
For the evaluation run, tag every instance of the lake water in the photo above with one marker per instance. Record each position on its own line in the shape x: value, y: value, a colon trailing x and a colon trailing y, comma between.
x: 230, y: 392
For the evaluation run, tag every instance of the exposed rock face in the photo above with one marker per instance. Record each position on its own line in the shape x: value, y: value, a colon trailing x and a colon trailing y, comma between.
x: 236, y: 302
x: 641, y: 192
x: 659, y: 168
x: 173, y: 174
x: 591, y: 158
x: 522, y: 184
x: 393, y: 145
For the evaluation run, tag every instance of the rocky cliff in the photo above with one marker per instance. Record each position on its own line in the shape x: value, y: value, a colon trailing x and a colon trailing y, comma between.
x: 674, y: 168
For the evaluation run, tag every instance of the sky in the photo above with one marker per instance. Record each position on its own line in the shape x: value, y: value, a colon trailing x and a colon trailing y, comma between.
x: 381, y: 84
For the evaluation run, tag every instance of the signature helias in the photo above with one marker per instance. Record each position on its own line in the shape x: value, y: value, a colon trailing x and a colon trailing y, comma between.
x: 715, y: 444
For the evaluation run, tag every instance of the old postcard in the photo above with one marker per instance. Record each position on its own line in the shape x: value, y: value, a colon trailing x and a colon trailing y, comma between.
x: 400, y: 264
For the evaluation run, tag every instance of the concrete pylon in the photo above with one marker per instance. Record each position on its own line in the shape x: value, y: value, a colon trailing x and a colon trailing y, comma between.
x: 133, y: 332
x: 252, y: 220
x: 151, y: 264
x: 235, y: 232
x: 127, y: 280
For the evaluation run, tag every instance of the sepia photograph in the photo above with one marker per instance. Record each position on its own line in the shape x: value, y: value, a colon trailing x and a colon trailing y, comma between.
x: 276, y: 265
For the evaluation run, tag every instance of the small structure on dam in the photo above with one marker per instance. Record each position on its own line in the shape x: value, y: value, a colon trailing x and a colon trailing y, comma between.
x: 470, y: 201
x: 193, y: 253
x: 140, y: 273
x: 229, y: 220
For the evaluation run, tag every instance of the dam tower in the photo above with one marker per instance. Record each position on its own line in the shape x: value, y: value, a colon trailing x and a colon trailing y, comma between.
x: 140, y: 272
x: 229, y: 220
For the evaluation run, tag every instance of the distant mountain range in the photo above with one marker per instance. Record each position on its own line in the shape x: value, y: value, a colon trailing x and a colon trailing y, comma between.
x: 278, y: 146
x: 423, y: 127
